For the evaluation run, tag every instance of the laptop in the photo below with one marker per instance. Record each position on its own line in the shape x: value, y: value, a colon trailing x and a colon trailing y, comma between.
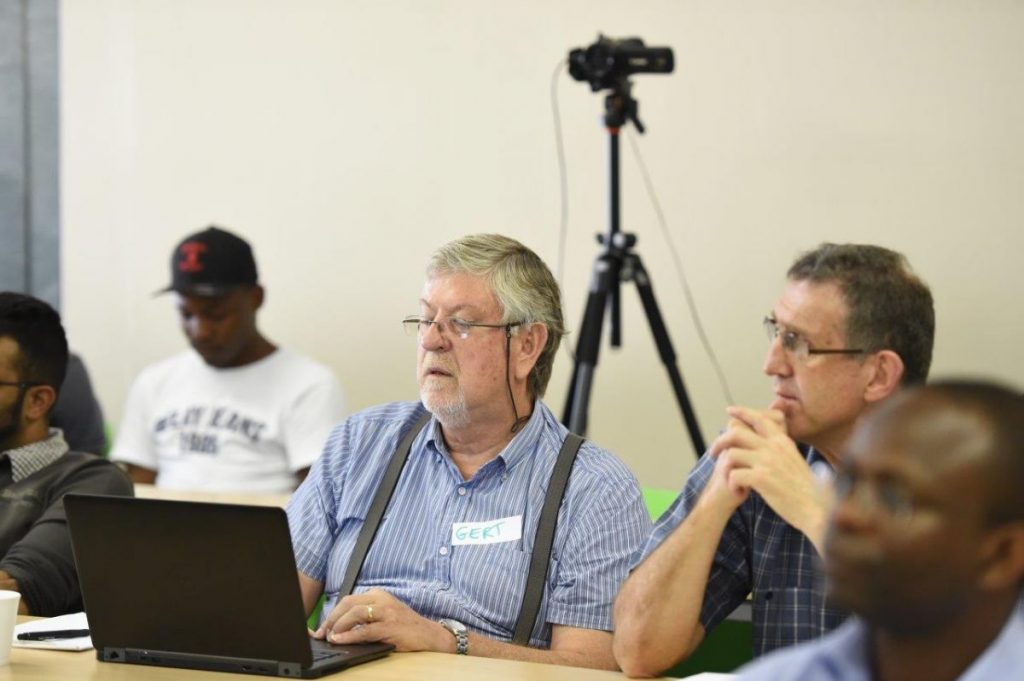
x: 197, y: 585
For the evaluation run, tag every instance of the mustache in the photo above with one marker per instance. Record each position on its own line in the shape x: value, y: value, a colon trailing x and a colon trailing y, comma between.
x: 434, y: 362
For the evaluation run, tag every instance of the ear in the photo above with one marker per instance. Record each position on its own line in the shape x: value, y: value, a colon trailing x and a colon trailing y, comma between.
x: 258, y: 295
x: 886, y: 372
x: 527, y: 346
x: 38, y: 400
x: 1003, y: 558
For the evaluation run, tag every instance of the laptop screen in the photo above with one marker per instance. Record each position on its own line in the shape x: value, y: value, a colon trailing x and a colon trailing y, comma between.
x: 205, y: 579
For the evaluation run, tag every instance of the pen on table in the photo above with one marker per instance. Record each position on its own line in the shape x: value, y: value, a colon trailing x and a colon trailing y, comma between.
x: 56, y: 633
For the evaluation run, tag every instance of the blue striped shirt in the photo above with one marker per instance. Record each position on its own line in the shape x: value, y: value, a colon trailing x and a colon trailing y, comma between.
x: 759, y: 554
x: 602, y: 522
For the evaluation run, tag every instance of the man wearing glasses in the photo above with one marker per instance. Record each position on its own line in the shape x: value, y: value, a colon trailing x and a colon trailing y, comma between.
x: 852, y: 326
x: 36, y: 466
x: 447, y: 568
x: 925, y: 544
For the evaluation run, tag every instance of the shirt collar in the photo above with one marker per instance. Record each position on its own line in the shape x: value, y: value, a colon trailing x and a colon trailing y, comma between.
x: 36, y: 456
x: 522, y: 445
x: 1005, y: 655
x: 849, y: 650
x: 525, y: 441
x: 820, y: 466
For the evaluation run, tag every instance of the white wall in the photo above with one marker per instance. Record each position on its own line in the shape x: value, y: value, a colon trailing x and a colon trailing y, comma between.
x: 348, y: 139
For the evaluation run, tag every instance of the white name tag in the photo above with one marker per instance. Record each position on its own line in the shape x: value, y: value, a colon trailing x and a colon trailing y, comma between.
x: 488, y: 531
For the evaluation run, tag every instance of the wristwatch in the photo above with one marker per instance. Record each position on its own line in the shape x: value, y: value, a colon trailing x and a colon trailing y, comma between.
x: 461, y: 634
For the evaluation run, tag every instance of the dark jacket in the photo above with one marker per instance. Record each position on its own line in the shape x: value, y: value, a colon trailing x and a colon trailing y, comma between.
x: 34, y: 540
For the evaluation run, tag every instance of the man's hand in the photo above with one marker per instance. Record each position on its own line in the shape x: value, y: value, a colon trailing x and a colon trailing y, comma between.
x: 8, y: 583
x: 759, y: 455
x: 722, y: 492
x: 376, y: 616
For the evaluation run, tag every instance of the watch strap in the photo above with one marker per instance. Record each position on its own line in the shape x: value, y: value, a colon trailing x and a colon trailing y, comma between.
x: 461, y: 634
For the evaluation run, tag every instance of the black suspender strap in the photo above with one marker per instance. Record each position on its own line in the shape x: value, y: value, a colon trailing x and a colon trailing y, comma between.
x: 540, y: 561
x: 379, y: 505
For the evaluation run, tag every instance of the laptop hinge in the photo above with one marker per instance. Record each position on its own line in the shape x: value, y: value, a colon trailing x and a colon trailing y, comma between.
x: 238, y: 665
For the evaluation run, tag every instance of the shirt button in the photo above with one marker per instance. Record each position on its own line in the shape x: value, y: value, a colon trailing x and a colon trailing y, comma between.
x: 443, y: 550
x: 462, y: 491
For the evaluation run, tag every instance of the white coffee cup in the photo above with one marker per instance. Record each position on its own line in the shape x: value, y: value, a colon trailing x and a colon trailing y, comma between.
x: 8, y: 616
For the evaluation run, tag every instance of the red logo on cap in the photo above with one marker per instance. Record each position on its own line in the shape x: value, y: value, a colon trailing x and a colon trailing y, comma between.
x: 190, y: 252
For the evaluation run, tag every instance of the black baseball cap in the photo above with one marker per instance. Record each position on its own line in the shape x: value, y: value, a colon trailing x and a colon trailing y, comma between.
x: 211, y: 263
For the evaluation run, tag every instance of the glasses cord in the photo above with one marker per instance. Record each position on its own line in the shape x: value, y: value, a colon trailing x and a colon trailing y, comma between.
x: 519, y: 420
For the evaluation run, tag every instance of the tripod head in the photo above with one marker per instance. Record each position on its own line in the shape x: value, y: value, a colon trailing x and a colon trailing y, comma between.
x: 620, y: 107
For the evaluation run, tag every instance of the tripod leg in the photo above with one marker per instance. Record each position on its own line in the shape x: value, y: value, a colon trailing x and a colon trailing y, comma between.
x: 665, y: 350
x: 577, y: 402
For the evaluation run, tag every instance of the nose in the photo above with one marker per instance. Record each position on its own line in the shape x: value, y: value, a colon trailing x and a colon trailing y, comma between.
x: 777, y: 361
x: 433, y: 338
x: 198, y: 329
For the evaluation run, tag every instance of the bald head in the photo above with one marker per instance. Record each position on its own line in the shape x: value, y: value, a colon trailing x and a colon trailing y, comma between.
x: 953, y: 424
x: 928, y: 525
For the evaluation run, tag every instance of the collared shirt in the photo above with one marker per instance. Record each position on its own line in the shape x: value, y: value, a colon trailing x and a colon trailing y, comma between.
x: 418, y: 556
x: 36, y: 456
x: 759, y: 554
x: 844, y: 655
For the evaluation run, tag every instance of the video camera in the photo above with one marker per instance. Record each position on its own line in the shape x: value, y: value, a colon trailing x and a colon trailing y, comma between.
x: 609, y: 61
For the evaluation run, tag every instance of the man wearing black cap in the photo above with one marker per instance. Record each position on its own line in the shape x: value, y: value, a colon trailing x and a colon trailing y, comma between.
x: 238, y: 413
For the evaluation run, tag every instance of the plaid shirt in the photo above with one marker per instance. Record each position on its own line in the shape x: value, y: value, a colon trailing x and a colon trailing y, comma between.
x: 762, y: 555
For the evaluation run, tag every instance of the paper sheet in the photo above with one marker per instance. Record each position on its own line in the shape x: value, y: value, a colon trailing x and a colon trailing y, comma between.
x: 73, y: 621
x: 709, y: 676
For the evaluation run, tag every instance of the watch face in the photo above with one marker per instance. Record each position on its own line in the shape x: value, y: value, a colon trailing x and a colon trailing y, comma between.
x: 454, y: 626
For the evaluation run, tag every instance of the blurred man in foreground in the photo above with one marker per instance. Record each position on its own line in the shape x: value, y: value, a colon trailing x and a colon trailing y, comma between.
x: 925, y: 545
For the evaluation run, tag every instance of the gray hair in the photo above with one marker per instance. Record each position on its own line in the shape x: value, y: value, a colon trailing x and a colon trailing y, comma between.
x: 889, y: 307
x: 523, y: 285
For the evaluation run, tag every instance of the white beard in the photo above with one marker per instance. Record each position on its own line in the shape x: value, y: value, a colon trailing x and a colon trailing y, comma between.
x: 451, y: 413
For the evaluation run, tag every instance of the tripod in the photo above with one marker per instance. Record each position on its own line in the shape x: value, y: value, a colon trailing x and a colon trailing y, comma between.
x: 615, y: 264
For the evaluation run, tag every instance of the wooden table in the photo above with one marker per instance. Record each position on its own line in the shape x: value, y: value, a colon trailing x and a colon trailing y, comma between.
x: 249, y: 498
x: 51, y: 665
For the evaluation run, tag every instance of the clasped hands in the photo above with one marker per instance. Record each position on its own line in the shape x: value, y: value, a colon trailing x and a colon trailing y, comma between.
x: 377, y: 616
x: 755, y: 453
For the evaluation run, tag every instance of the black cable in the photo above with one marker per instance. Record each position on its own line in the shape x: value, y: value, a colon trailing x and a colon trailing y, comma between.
x: 677, y: 261
x: 519, y: 420
x: 563, y: 185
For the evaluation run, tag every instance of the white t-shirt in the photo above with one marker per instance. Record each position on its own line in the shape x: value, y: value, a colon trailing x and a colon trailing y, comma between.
x: 247, y: 428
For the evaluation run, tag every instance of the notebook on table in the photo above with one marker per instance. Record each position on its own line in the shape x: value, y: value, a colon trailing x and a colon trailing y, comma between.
x: 197, y: 585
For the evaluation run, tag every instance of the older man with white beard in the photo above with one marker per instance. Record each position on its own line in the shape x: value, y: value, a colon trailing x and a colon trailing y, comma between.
x: 471, y: 468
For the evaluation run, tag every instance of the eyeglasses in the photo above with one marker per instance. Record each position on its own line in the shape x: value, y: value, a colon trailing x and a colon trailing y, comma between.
x: 890, y: 497
x: 416, y: 325
x: 796, y: 345
x: 21, y: 385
